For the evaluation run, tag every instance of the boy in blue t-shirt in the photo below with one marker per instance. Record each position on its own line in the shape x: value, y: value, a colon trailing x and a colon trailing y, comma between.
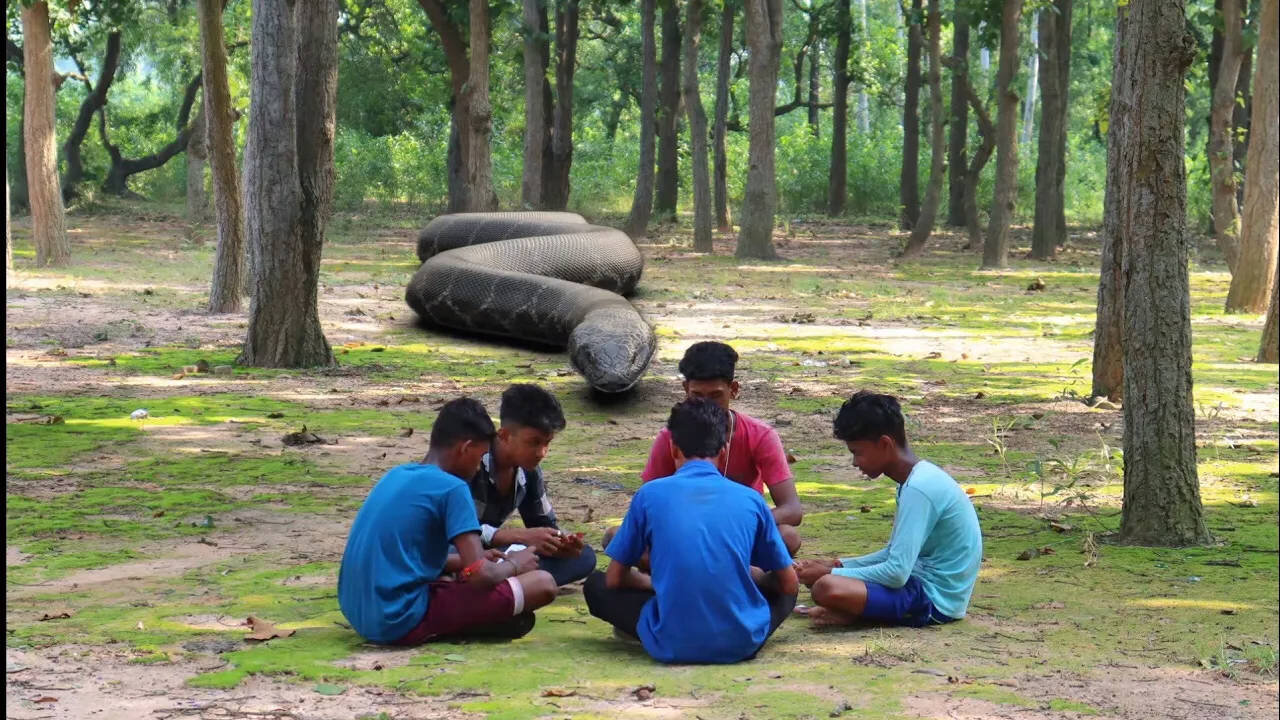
x: 390, y: 587
x: 703, y: 601
x: 927, y: 572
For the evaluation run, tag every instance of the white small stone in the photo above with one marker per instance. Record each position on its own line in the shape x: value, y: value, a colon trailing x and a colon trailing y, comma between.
x: 139, y: 414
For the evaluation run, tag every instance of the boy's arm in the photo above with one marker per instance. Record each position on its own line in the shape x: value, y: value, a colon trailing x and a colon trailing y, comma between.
x: 914, y: 521
x: 771, y: 463
x: 620, y: 575
x: 485, y: 572
x: 535, y: 508
x: 786, y: 503
x: 874, y: 558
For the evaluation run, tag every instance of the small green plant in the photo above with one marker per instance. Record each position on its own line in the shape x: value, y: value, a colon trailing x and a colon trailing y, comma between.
x: 1000, y: 428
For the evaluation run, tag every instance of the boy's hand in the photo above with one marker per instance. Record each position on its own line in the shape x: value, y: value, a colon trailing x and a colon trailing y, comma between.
x: 493, y: 555
x: 571, y: 545
x: 810, y: 571
x: 524, y: 560
x: 546, y: 541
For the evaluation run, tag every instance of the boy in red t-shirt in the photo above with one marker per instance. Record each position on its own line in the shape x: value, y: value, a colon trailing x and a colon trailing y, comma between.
x: 754, y: 458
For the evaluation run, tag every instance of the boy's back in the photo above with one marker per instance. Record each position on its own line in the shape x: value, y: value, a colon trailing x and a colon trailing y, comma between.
x: 704, y: 532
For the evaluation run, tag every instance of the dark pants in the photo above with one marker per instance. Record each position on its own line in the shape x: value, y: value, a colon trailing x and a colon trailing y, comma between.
x: 569, y: 569
x: 621, y: 607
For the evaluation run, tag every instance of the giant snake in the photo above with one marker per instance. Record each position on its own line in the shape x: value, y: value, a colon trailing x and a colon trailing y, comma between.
x: 543, y: 277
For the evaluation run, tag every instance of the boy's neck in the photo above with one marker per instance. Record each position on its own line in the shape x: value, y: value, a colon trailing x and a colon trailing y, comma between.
x: 498, y: 467
x: 901, y: 468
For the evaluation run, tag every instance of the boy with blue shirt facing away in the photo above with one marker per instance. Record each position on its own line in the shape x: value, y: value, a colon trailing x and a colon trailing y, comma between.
x: 391, y: 586
x: 927, y: 572
x: 703, y: 602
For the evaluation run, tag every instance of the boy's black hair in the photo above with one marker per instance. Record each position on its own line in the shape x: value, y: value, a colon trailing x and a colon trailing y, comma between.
x: 699, y: 428
x: 533, y: 407
x: 461, y: 419
x: 868, y: 415
x: 709, y: 360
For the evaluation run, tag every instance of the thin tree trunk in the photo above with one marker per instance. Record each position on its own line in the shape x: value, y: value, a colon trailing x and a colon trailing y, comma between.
x: 1226, y: 214
x: 697, y: 130
x: 909, y: 180
x: 937, y: 138
x: 642, y: 200
x: 986, y: 147
x: 956, y: 147
x: 1108, y: 334
x: 1033, y: 72
x: 229, y: 278
x: 289, y: 178
x: 1240, y: 119
x: 535, y: 126
x: 8, y: 236
x: 1269, y: 350
x: 1260, y: 229
x: 557, y: 190
x: 720, y: 172
x: 48, y: 217
x: 455, y: 53
x: 94, y: 99
x: 864, y: 109
x: 760, y: 197
x: 995, y: 253
x: 479, y: 162
x: 837, y: 181
x: 664, y: 203
x: 1161, y: 488
x: 123, y: 168
x: 1050, y: 228
x: 197, y: 155
x: 815, y: 48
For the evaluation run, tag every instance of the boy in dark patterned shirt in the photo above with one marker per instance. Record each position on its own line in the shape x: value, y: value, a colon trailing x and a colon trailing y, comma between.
x: 509, y: 479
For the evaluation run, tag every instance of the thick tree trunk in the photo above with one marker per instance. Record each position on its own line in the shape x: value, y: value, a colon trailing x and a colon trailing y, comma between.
x: 1226, y: 214
x: 815, y: 49
x: 1161, y: 488
x: 228, y: 266
x: 557, y: 189
x: 93, y: 100
x: 1050, y: 229
x: 1108, y: 334
x: 536, y: 132
x: 197, y: 155
x: 937, y: 142
x: 479, y: 162
x: 760, y: 197
x: 1260, y: 228
x: 956, y: 147
x: 981, y: 157
x: 48, y: 217
x: 720, y: 172
x: 909, y: 180
x: 995, y: 253
x: 664, y: 203
x: 837, y: 181
x: 1269, y: 350
x: 455, y: 54
x: 1240, y: 118
x: 289, y: 178
x: 697, y: 130
x: 642, y: 200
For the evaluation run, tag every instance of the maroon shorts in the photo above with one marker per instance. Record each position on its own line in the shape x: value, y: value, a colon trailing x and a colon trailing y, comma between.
x: 455, y: 607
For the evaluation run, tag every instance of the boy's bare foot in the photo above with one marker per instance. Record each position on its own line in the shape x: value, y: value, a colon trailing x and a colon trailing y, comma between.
x: 825, y: 617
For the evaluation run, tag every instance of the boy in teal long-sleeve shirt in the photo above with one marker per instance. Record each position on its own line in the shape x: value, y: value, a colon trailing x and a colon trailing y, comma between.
x: 927, y: 572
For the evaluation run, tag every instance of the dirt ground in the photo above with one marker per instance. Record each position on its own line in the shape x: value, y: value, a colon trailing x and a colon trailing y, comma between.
x: 103, y: 309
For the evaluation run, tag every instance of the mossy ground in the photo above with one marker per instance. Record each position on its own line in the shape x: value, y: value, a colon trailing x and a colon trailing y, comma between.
x: 159, y: 535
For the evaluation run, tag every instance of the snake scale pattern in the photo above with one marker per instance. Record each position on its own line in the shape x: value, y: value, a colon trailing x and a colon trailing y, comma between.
x: 543, y: 277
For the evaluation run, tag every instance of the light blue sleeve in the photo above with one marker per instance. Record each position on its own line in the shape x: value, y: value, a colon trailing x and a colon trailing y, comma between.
x: 914, y: 521
x: 874, y: 558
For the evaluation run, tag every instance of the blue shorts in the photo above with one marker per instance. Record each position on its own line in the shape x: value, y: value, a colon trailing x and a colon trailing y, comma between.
x: 907, y: 605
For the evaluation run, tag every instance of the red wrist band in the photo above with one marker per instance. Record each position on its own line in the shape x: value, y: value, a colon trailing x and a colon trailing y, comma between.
x: 471, y: 569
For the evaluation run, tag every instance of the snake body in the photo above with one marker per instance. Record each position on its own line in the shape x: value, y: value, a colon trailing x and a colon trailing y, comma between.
x: 543, y: 277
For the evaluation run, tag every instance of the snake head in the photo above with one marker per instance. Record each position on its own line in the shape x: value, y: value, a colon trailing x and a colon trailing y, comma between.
x: 611, y: 347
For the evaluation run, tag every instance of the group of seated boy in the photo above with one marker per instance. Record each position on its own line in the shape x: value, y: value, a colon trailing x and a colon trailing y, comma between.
x: 700, y: 571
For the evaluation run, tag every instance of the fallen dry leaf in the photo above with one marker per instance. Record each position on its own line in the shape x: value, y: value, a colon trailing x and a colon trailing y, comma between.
x: 970, y: 491
x: 558, y: 692
x: 406, y: 432
x: 644, y: 692
x: 301, y: 437
x: 40, y: 420
x: 791, y: 459
x: 1055, y: 605
x: 55, y: 615
x: 44, y: 699
x: 263, y: 630
x: 1060, y: 527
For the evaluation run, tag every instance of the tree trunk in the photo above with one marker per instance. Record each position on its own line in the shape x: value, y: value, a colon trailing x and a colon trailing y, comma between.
x: 986, y: 146
x: 48, y: 217
x: 909, y: 180
x: 228, y: 266
x: 479, y: 162
x: 697, y: 130
x: 1226, y: 215
x: 721, y: 162
x: 1269, y: 351
x: 536, y: 131
x: 557, y: 190
x: 864, y: 109
x: 1033, y: 72
x: 995, y: 253
x: 197, y: 154
x: 289, y: 178
x: 123, y: 168
x: 1108, y: 334
x: 937, y: 142
x: 1161, y: 489
x: 837, y: 181
x: 8, y: 236
x: 815, y: 49
x: 1050, y: 228
x: 664, y: 203
x: 1240, y: 119
x: 760, y: 197
x: 93, y: 100
x: 642, y: 200
x: 956, y: 161
x: 1260, y: 229
x: 455, y: 53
